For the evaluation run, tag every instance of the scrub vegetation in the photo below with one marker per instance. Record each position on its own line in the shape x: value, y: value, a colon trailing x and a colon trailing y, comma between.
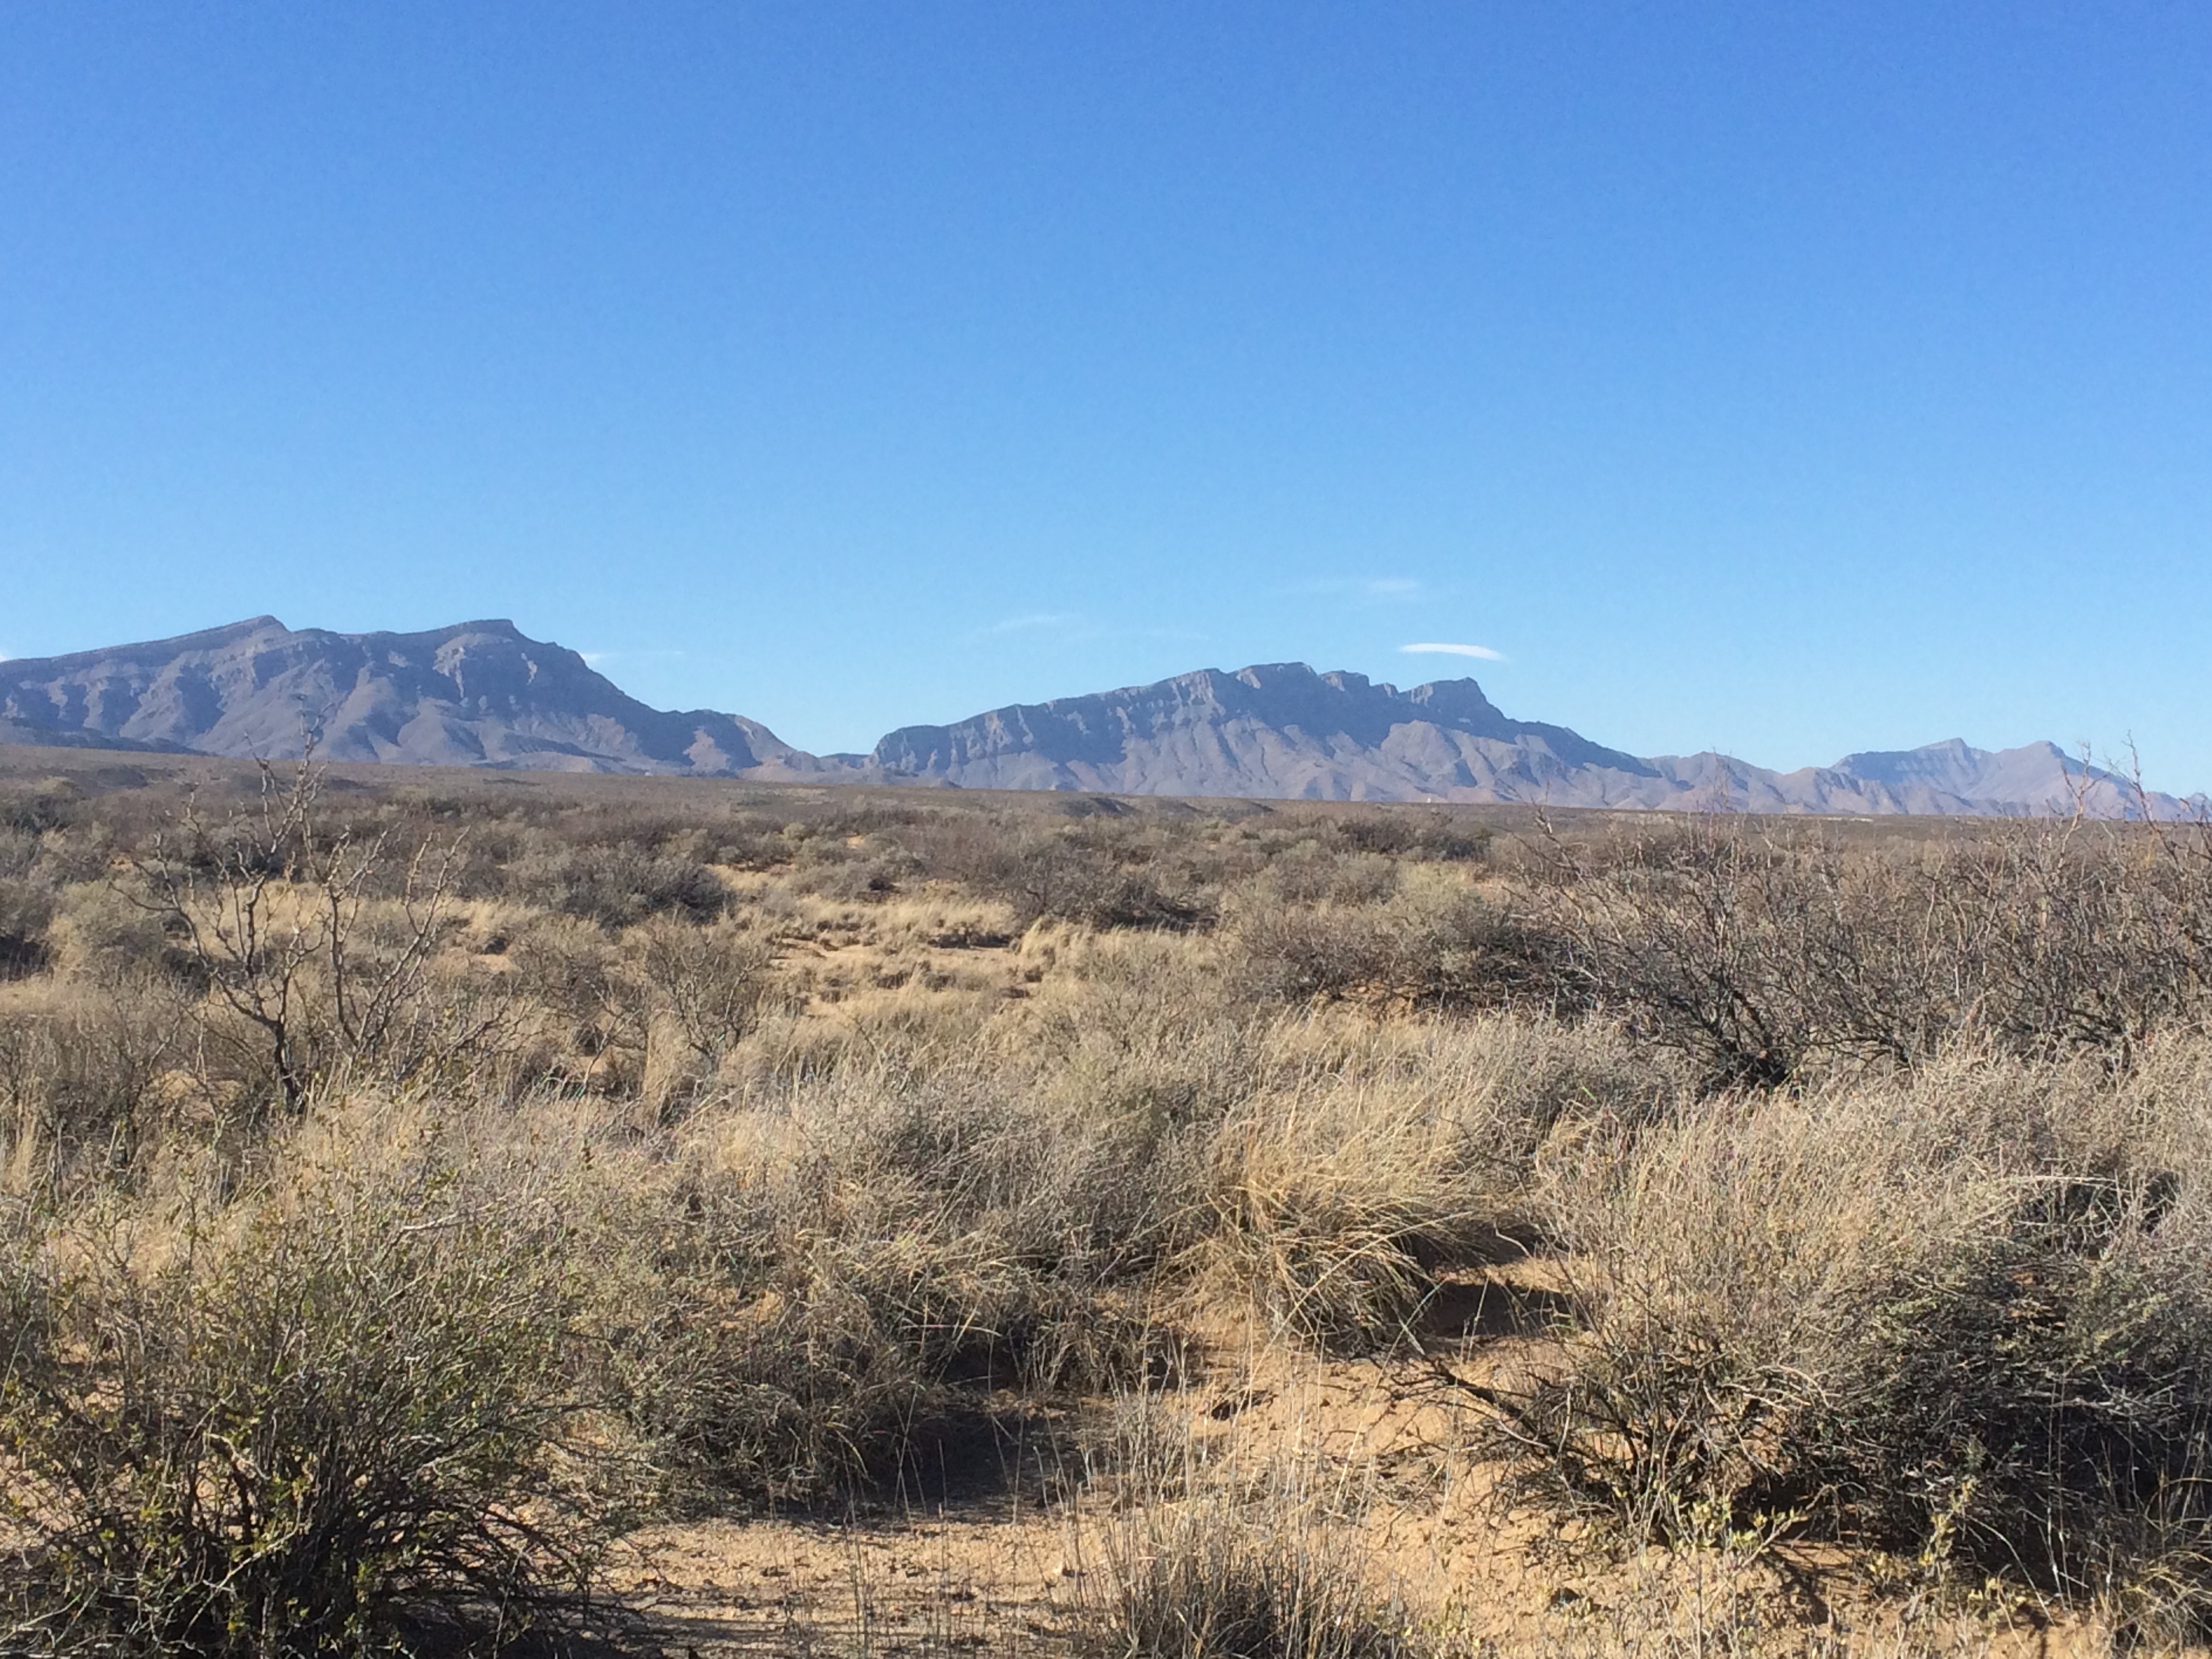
x: 424, y: 1196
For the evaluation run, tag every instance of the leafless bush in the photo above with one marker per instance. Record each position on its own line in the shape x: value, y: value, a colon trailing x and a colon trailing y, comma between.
x: 1443, y: 835
x: 710, y: 981
x: 1761, y: 954
x: 270, y: 909
x: 707, y: 985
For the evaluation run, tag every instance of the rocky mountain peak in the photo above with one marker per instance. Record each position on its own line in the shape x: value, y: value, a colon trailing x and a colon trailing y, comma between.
x: 483, y: 693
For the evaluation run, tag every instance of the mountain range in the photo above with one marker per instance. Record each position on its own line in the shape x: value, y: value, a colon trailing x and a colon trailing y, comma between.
x: 484, y: 694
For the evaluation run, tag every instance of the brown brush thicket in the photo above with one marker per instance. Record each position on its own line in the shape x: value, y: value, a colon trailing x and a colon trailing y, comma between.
x: 405, y: 1189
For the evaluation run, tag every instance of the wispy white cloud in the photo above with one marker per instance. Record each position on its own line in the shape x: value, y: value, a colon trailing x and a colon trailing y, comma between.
x: 1032, y: 619
x: 1364, y: 587
x: 601, y: 658
x: 1440, y: 648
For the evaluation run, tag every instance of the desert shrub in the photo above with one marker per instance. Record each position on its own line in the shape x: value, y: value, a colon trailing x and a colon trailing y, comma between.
x: 27, y: 903
x: 1766, y: 956
x: 873, y: 871
x: 617, y: 885
x: 1921, y: 1319
x: 19, y: 851
x: 709, y: 982
x: 1129, y: 1024
x: 1752, y: 956
x: 79, y: 1070
x: 2078, y: 937
x: 598, y: 1010
x: 100, y: 933
x: 306, y: 972
x: 1312, y: 872
x: 340, y: 1415
x: 26, y: 909
x: 1444, y: 836
x: 34, y: 809
x: 1433, y: 944
x: 1063, y: 874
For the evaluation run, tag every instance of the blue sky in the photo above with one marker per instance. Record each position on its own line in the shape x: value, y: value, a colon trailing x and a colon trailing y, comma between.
x: 1785, y: 380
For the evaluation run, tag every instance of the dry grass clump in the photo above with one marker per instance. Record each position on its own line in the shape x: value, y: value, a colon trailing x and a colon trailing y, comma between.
x: 1372, y: 1161
x: 1210, y: 1579
x: 1428, y: 940
x: 1219, y: 1555
x: 82, y: 1074
x: 844, y: 1275
x: 1955, y: 1316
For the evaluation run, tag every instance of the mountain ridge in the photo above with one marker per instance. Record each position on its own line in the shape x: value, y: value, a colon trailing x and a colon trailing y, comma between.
x: 475, y: 693
x: 482, y: 693
x: 1445, y: 741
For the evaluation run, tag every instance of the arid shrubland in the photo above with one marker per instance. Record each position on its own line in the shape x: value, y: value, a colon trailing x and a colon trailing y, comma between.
x: 405, y: 1192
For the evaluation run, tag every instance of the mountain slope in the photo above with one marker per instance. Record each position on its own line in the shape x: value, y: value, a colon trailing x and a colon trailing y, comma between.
x: 1282, y: 731
x: 1278, y: 731
x: 482, y: 693
x: 478, y: 694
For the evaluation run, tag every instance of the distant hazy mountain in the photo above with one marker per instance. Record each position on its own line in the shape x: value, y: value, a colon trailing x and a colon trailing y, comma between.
x: 481, y: 694
x: 1277, y: 732
x: 1284, y: 732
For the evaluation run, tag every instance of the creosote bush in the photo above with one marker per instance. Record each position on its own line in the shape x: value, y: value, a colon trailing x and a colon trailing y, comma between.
x: 338, y: 1414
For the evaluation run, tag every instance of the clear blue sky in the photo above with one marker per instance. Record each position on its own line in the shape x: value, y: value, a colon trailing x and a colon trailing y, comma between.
x: 1783, y: 378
